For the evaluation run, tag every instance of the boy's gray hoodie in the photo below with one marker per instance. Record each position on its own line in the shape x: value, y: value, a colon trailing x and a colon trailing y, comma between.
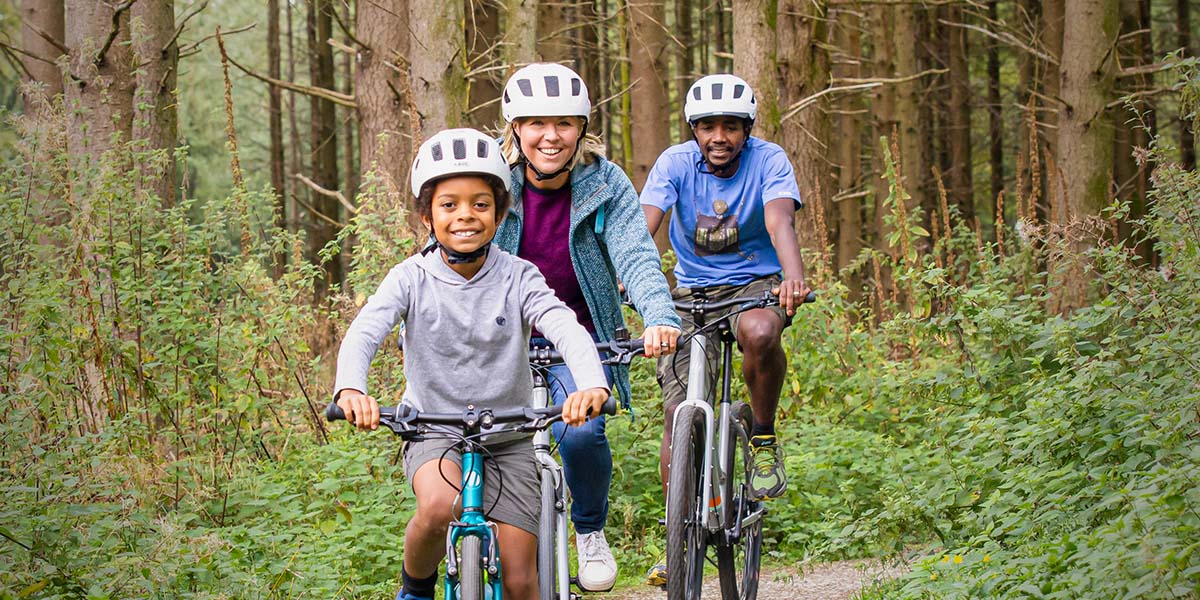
x: 465, y: 341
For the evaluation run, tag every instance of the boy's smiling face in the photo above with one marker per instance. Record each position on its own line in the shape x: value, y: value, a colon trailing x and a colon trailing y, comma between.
x: 463, y: 214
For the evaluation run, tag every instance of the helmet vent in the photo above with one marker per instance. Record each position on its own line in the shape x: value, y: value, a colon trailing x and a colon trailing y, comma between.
x: 696, y: 93
x: 525, y: 86
x: 481, y: 149
x: 576, y: 86
x: 460, y: 149
x: 436, y: 152
x: 738, y: 90
x: 551, y: 86
x: 717, y: 88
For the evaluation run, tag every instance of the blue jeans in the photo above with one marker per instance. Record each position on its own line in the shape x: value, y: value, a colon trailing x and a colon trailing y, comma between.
x: 586, y: 456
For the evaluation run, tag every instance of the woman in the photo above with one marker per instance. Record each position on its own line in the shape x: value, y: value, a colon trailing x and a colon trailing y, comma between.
x: 577, y: 217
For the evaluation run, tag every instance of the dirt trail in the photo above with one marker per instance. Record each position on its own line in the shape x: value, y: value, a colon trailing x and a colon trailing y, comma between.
x: 841, y: 580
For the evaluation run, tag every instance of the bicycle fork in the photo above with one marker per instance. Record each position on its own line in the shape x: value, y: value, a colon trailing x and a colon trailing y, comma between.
x: 697, y: 388
x: 473, y: 524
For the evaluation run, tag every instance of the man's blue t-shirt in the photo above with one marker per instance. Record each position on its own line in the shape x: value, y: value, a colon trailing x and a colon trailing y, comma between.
x: 681, y: 180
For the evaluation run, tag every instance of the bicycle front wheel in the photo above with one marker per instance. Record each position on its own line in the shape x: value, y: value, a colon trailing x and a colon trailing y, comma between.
x: 547, y: 538
x: 470, y: 569
x: 739, y: 549
x: 685, y: 513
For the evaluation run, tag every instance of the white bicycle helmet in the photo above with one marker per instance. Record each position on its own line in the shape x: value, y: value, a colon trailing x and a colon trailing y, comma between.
x: 545, y: 90
x: 722, y: 94
x: 459, y: 152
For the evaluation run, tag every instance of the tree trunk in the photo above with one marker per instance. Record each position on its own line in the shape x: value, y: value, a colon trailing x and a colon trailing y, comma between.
x: 553, y: 31
x: 275, y: 117
x: 347, y: 115
x: 959, y: 184
x: 1134, y: 126
x: 914, y: 153
x: 438, y: 46
x: 385, y: 143
x: 884, y: 111
x: 1183, y: 31
x: 803, y: 70
x: 155, y: 123
x: 847, y: 141
x: 1085, y: 136
x: 648, y: 66
x: 323, y: 140
x: 99, y: 98
x: 295, y: 156
x: 47, y: 16
x: 685, y: 70
x: 995, y: 114
x: 1052, y: 39
x: 483, y: 32
x: 520, y: 33
x: 754, y: 56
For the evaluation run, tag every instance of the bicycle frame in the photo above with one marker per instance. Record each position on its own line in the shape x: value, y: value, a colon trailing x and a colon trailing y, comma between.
x: 473, y: 523
x: 714, y: 473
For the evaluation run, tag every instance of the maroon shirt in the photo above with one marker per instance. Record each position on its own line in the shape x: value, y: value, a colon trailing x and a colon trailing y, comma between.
x: 545, y: 242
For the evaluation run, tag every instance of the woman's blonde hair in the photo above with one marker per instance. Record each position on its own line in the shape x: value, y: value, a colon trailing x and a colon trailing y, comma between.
x: 589, y: 148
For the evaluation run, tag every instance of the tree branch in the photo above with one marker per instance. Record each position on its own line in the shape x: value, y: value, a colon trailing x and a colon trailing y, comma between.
x: 327, y: 94
x: 1154, y: 68
x: 112, y: 33
x: 182, y: 23
x: 49, y: 38
x: 1143, y: 94
x: 8, y: 54
x: 1005, y: 37
x: 316, y: 187
x: 346, y: 30
x: 193, y: 47
x: 27, y: 53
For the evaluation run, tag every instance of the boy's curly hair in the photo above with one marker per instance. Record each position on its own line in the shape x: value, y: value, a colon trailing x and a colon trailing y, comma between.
x: 424, y: 207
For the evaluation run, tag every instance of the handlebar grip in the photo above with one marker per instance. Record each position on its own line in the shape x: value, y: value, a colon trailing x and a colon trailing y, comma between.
x: 610, y: 407
x: 811, y: 297
x: 333, y: 412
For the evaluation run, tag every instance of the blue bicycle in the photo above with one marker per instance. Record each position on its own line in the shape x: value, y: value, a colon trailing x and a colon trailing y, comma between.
x: 473, y: 570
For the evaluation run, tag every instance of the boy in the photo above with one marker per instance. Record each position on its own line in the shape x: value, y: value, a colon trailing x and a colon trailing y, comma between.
x: 468, y: 310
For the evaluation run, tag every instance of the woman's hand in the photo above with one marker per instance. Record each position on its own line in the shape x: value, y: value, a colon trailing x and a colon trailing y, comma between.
x: 582, y: 404
x: 361, y: 409
x: 660, y: 340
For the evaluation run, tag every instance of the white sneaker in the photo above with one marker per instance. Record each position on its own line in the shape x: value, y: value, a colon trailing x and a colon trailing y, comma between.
x: 597, y: 567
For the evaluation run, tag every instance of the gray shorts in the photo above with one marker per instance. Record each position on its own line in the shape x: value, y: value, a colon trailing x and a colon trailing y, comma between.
x: 519, y: 501
x: 672, y: 369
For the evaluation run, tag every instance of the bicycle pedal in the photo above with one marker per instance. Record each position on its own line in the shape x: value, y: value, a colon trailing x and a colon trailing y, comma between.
x: 663, y: 521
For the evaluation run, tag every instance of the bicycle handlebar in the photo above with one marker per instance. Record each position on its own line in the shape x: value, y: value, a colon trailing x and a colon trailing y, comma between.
x: 622, y: 352
x: 403, y: 419
x: 741, y: 302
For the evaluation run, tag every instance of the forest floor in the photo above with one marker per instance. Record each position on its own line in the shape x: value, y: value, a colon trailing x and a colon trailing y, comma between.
x: 841, y: 580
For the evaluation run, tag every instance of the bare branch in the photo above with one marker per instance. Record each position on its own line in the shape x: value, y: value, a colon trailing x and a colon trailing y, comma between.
x: 193, y: 47
x: 346, y: 30
x: 1005, y: 37
x: 112, y: 33
x: 856, y: 85
x: 26, y: 53
x: 49, y: 38
x: 340, y: 46
x: 8, y: 54
x: 319, y: 92
x: 1143, y: 94
x: 1154, y: 68
x: 182, y: 23
x: 316, y: 187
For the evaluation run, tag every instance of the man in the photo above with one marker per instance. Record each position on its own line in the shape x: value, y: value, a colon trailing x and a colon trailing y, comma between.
x: 734, y: 197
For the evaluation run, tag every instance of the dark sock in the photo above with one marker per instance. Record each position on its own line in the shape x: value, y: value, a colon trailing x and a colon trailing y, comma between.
x: 757, y: 430
x: 421, y: 588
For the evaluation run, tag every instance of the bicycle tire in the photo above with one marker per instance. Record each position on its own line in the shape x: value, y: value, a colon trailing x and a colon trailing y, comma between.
x: 686, y: 543
x: 547, y: 538
x: 738, y: 559
x: 470, y: 569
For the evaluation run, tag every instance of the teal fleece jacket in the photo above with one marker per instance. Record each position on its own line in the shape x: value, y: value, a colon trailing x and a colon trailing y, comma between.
x: 609, y: 240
